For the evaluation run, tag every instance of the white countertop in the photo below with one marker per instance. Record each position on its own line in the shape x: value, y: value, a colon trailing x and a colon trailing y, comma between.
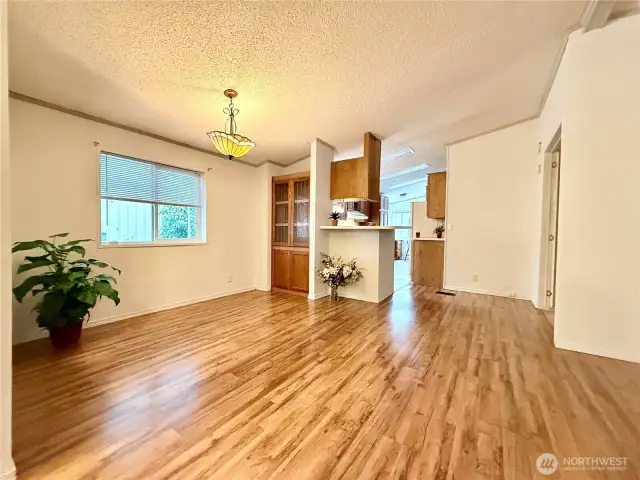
x: 363, y: 228
x: 434, y: 239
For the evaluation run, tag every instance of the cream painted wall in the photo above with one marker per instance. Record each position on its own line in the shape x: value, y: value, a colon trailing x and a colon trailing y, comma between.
x: 7, y: 468
x: 598, y: 293
x: 420, y: 222
x: 320, y: 206
x: 55, y: 189
x: 490, y: 204
x: 263, y: 225
x: 303, y: 165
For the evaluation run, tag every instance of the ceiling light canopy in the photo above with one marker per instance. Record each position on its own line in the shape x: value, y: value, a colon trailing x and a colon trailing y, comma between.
x: 228, y: 141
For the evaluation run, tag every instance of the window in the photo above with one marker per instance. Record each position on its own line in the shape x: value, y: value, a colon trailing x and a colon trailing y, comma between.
x: 144, y: 202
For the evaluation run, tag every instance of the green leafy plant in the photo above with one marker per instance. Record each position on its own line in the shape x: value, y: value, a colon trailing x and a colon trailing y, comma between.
x: 334, y: 216
x: 70, y: 288
x: 438, y: 231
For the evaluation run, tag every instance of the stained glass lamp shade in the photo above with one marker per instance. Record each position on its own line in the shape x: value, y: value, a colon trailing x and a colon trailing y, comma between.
x: 228, y: 142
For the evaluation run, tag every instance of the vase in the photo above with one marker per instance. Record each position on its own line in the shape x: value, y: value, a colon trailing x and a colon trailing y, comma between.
x: 334, y: 294
x: 66, y: 336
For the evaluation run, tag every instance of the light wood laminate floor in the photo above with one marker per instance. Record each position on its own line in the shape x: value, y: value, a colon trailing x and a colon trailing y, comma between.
x: 260, y: 386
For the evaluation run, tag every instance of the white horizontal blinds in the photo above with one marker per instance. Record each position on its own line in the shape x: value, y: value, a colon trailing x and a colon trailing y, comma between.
x: 177, y: 187
x: 123, y: 178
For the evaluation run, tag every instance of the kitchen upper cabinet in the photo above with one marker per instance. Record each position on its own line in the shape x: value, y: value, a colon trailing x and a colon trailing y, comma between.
x: 436, y: 195
x: 358, y: 177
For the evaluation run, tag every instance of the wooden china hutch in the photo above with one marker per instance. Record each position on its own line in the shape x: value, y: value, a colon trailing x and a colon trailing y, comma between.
x: 290, y: 233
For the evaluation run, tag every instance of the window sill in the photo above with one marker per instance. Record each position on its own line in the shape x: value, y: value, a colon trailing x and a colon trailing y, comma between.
x: 151, y: 244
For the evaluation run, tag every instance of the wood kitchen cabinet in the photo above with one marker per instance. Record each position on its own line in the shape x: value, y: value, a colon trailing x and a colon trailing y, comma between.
x: 436, y: 195
x: 427, y: 262
x: 290, y: 270
x: 290, y: 232
x: 358, y: 177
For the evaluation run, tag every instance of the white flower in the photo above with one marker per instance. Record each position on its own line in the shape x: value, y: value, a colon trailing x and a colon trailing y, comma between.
x: 346, y: 271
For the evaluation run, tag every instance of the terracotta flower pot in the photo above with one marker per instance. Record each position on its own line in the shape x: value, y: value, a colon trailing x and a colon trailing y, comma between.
x: 334, y: 223
x: 67, y: 336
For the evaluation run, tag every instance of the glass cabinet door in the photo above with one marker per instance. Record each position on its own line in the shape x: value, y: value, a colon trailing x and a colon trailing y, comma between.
x: 281, y: 213
x: 301, y: 211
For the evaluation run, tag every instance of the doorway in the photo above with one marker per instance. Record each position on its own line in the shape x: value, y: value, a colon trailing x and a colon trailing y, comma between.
x: 554, y: 158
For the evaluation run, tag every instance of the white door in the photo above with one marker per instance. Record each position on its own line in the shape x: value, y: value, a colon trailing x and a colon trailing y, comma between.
x: 553, y: 229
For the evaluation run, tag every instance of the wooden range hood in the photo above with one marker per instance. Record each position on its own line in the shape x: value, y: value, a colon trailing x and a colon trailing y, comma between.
x: 358, y: 178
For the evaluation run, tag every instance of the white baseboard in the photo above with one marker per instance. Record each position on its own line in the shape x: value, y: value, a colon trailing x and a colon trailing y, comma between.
x: 483, y: 292
x: 317, y: 296
x: 598, y: 351
x: 124, y: 316
x: 169, y: 306
x: 11, y: 474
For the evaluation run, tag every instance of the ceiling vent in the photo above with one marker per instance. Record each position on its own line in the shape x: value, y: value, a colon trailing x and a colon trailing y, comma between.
x: 405, y: 152
x: 406, y: 171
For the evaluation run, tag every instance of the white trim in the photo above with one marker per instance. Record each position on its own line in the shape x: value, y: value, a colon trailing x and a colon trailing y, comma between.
x: 598, y: 351
x: 596, y: 14
x: 484, y: 292
x: 169, y: 306
x: 11, y: 474
x: 540, y: 302
x: 159, y: 243
x: 317, y: 296
x: 116, y: 318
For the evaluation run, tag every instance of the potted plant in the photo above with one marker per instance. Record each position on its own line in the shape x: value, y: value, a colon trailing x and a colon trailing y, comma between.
x: 337, y: 273
x: 439, y: 231
x: 334, y: 216
x: 69, y: 288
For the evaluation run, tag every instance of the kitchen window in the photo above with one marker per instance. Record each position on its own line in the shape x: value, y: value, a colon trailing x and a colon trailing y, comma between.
x: 146, y: 203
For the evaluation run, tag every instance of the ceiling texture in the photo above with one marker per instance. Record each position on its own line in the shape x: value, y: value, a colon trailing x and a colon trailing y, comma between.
x: 416, y: 74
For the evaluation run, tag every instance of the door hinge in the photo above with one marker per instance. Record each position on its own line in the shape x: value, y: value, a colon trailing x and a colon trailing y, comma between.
x: 551, y: 238
x: 549, y: 293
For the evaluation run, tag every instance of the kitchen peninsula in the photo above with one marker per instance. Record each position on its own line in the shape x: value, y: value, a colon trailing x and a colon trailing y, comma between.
x: 373, y: 249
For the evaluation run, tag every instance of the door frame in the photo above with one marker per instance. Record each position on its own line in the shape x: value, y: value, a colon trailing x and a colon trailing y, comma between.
x: 548, y: 271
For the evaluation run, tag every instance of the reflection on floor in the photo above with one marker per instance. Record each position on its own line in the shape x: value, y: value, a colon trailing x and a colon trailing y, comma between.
x: 402, y: 277
x: 262, y: 386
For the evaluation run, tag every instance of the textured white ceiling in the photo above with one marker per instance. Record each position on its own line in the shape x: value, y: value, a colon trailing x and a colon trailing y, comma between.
x: 417, y: 74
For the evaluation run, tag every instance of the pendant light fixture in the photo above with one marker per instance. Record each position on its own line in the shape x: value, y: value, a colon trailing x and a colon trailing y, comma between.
x: 228, y: 141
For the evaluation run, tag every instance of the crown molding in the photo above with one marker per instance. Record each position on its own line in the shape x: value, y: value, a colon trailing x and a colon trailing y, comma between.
x: 104, y: 121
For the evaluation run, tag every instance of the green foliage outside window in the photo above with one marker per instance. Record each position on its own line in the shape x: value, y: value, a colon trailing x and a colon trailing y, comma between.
x: 177, y: 222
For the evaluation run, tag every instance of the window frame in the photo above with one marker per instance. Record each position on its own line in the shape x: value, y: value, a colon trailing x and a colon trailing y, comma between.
x: 201, y: 217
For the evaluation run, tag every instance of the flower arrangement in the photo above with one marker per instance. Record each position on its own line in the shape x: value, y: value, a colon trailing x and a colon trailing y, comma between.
x: 335, y: 272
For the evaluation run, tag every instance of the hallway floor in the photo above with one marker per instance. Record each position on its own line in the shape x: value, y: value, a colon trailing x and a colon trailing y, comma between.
x: 402, y: 274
